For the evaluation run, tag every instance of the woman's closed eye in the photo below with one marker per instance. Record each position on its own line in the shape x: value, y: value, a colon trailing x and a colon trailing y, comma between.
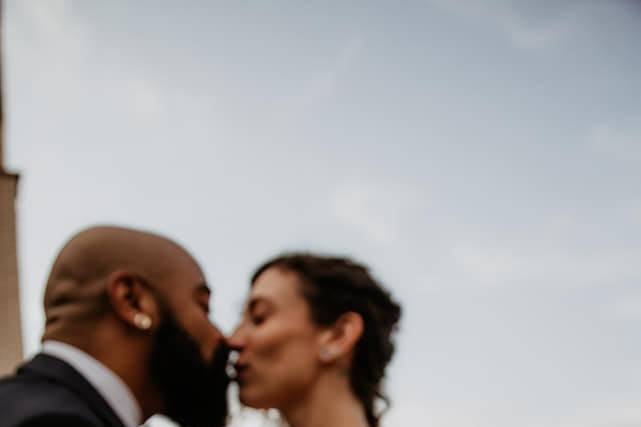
x: 258, y: 311
x: 257, y: 318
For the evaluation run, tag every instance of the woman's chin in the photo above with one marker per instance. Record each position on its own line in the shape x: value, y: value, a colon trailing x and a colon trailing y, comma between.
x: 254, y: 400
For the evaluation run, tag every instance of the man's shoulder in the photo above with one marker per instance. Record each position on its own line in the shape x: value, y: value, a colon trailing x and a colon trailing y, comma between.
x: 28, y: 400
x: 55, y: 419
x: 30, y: 389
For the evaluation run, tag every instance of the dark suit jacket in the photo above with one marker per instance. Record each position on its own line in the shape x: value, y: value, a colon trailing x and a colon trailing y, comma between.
x: 48, y: 392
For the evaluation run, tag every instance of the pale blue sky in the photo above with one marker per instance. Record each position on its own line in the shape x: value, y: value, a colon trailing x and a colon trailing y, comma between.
x: 482, y: 157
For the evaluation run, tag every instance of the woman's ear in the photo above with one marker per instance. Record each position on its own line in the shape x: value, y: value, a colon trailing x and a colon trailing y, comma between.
x: 340, y: 339
x: 131, y: 301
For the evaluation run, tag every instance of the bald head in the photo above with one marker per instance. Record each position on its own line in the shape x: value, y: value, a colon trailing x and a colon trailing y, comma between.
x: 76, y: 291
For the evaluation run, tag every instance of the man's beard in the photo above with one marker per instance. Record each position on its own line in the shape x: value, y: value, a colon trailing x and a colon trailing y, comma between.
x: 194, y: 392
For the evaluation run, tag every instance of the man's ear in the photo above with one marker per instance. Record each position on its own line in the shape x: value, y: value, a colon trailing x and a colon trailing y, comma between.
x: 338, y: 342
x: 132, y: 301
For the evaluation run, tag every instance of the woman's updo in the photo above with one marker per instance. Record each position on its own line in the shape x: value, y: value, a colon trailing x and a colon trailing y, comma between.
x: 333, y: 286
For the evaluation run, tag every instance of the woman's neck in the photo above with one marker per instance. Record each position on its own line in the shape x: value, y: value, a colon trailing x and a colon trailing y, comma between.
x: 329, y: 403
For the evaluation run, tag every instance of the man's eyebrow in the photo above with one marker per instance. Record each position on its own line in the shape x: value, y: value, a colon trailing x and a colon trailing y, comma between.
x: 202, y: 288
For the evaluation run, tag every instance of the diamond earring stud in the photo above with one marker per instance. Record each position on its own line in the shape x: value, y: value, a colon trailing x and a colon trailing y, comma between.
x: 142, y: 321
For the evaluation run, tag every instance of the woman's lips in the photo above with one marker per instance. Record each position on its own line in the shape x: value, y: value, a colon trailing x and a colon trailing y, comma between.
x: 241, y: 372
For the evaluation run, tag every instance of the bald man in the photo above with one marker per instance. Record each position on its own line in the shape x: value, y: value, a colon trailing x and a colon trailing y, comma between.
x: 127, y: 336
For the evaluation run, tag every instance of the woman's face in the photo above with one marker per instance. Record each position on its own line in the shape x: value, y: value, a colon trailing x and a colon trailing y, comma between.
x: 277, y: 342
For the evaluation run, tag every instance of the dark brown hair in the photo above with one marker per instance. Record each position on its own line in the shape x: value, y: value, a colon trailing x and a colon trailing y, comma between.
x: 333, y: 286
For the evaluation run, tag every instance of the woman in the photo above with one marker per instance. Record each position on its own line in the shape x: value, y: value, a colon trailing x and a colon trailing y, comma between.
x: 314, y: 341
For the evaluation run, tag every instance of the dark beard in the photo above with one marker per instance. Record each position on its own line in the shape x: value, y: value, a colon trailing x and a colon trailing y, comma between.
x: 194, y: 392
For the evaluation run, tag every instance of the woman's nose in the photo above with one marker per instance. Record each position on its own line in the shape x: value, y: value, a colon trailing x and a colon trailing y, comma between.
x: 236, y: 340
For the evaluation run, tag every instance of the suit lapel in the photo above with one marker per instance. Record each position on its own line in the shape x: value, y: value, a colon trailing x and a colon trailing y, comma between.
x: 63, y: 373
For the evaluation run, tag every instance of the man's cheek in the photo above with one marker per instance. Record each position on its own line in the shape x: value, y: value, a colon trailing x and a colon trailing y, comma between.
x: 208, y: 344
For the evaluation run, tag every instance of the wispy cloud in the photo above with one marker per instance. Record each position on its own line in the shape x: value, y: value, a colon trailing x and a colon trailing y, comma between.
x: 624, y: 413
x: 319, y: 85
x: 364, y: 208
x: 374, y: 209
x: 626, y: 308
x: 47, y: 32
x: 51, y: 32
x: 145, y: 98
x: 490, y: 265
x: 503, y: 15
x: 623, y: 142
x: 452, y: 414
x: 534, y: 37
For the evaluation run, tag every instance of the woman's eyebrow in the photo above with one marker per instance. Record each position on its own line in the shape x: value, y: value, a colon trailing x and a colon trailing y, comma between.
x: 255, y: 301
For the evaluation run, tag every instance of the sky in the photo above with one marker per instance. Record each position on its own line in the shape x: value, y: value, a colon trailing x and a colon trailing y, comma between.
x: 481, y: 157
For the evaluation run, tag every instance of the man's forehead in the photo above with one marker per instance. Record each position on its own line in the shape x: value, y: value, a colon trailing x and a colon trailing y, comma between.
x: 188, y: 276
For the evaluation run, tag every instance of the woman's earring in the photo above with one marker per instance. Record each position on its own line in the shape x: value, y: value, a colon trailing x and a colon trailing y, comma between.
x: 142, y: 321
x: 326, y: 355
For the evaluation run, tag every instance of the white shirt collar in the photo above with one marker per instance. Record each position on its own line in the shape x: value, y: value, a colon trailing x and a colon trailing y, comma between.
x: 107, y: 383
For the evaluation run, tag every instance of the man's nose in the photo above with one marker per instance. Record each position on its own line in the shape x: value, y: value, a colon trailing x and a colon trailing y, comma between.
x: 217, y: 334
